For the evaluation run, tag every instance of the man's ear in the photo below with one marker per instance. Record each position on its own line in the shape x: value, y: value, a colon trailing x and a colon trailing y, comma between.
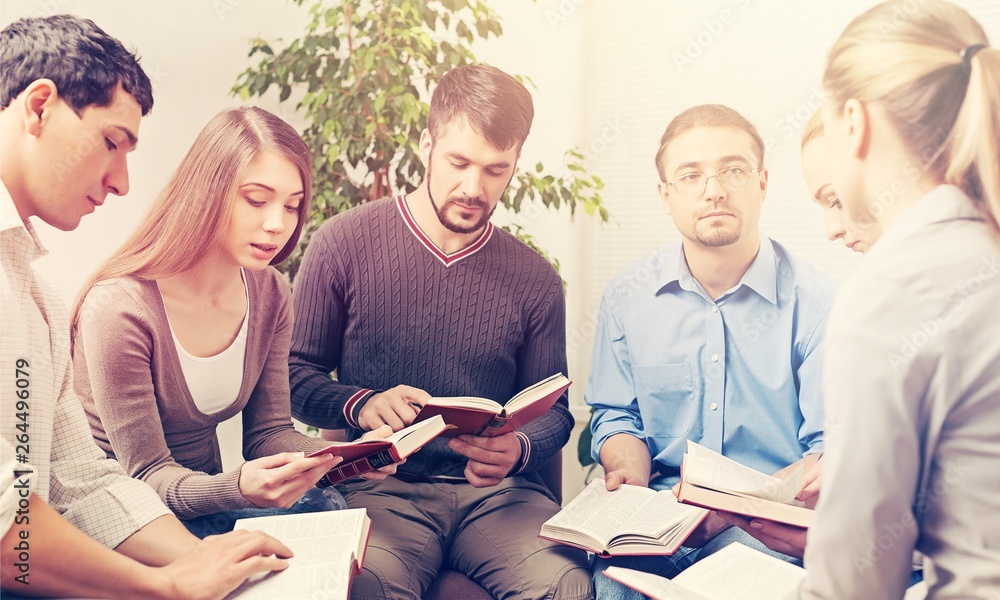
x: 858, y: 128
x: 664, y: 191
x: 762, y: 175
x: 39, y: 97
x: 425, y: 145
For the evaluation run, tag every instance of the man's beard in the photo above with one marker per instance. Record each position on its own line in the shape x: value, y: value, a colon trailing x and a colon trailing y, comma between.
x: 442, y: 214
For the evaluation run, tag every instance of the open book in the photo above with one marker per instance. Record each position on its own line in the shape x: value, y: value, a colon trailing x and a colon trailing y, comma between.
x: 329, y: 550
x: 734, y: 573
x: 630, y: 520
x: 483, y: 417
x: 713, y: 481
x: 363, y: 456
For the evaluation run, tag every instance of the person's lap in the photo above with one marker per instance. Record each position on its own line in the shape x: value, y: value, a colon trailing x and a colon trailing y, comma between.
x: 490, y: 534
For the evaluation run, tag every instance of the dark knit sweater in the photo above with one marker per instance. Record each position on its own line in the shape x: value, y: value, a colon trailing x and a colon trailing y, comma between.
x: 381, y: 306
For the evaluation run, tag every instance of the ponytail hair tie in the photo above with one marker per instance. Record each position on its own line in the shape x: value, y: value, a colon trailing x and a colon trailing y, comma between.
x: 967, y: 53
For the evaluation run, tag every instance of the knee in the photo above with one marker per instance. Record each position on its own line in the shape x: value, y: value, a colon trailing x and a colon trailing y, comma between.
x: 558, y: 573
x: 574, y: 583
x: 384, y: 576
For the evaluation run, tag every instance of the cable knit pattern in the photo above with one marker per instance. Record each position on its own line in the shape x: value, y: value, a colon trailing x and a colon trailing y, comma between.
x: 381, y: 309
x: 141, y: 412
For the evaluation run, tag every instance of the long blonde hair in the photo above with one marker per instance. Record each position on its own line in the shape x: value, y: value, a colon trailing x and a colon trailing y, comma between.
x: 947, y: 109
x: 190, y: 216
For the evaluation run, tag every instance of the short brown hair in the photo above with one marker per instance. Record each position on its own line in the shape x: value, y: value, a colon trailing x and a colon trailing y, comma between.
x: 498, y: 107
x: 707, y: 115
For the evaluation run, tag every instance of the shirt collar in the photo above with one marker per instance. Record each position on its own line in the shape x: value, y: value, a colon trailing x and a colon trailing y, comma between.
x: 761, y: 277
x: 10, y: 220
x: 944, y: 203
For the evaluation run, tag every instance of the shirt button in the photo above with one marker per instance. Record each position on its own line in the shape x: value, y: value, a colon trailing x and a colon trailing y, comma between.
x: 715, y: 309
x: 715, y: 358
x: 713, y: 406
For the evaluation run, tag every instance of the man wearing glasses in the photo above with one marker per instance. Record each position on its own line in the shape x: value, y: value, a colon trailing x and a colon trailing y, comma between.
x: 714, y: 339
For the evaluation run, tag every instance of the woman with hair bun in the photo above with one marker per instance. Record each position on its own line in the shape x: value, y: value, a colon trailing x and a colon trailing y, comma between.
x: 912, y: 365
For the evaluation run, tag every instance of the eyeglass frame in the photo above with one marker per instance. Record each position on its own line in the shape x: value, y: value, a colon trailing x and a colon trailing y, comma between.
x: 717, y: 178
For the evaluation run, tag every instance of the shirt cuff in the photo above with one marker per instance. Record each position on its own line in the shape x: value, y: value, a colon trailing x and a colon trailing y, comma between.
x: 525, y: 453
x: 352, y: 408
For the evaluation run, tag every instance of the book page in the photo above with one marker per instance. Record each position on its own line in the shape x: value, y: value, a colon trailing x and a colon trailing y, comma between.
x: 707, y: 468
x: 467, y: 402
x: 324, y: 545
x: 599, y: 512
x: 654, y: 586
x: 410, y: 439
x: 740, y: 573
x: 661, y: 513
x: 534, y: 392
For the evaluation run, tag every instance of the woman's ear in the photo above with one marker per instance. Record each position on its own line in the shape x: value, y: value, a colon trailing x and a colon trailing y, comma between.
x: 858, y: 128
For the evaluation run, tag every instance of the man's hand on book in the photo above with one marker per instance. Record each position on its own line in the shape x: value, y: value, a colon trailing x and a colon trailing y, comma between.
x: 490, y: 458
x: 813, y: 467
x: 626, y: 460
x: 220, y: 563
x: 278, y: 481
x: 776, y: 536
x: 395, y: 407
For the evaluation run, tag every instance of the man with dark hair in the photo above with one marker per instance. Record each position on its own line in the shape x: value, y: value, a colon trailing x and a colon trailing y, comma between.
x: 420, y: 295
x: 715, y: 339
x: 72, y: 101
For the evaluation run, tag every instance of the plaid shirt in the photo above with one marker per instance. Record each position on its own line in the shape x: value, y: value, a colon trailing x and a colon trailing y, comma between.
x: 71, y: 473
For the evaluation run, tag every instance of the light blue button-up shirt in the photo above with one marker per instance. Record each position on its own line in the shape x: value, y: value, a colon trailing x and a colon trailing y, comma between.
x: 739, y: 375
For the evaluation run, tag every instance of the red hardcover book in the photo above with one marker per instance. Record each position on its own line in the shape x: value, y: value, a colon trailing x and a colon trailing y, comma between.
x: 363, y: 456
x: 487, y: 418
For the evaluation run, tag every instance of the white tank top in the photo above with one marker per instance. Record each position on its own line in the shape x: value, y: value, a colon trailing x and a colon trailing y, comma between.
x: 215, y: 381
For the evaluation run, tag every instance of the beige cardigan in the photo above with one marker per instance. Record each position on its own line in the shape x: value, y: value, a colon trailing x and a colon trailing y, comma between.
x: 129, y: 379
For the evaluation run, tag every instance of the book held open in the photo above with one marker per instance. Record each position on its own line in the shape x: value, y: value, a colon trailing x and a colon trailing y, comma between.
x: 713, y: 481
x: 329, y: 550
x: 362, y: 456
x: 630, y: 520
x: 488, y: 418
x: 734, y: 573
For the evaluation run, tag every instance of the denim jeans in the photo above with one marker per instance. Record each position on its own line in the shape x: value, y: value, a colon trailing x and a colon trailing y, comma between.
x: 315, y: 500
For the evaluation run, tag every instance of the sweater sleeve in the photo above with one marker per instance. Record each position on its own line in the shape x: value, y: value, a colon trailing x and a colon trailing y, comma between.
x: 320, y: 318
x: 115, y: 342
x: 544, y: 354
x: 267, y: 420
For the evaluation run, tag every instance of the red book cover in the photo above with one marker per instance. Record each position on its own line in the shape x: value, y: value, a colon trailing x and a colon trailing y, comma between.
x: 487, y: 418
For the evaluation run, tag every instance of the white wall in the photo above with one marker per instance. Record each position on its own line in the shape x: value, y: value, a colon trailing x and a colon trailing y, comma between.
x: 610, y: 75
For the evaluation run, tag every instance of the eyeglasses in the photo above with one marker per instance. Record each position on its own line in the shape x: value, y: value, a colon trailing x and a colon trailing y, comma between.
x: 695, y: 183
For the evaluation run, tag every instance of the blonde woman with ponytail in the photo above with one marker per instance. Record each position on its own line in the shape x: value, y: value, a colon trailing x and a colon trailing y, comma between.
x: 187, y: 325
x: 912, y: 365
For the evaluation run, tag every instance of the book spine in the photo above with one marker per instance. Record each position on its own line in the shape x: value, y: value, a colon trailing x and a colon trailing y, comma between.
x: 495, y: 427
x: 359, y: 467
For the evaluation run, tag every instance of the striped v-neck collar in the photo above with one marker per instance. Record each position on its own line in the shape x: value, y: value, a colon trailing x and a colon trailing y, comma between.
x: 446, y: 259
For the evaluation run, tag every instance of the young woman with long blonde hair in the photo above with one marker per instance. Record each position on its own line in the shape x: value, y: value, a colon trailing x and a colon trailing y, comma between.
x: 187, y: 325
x: 911, y: 374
